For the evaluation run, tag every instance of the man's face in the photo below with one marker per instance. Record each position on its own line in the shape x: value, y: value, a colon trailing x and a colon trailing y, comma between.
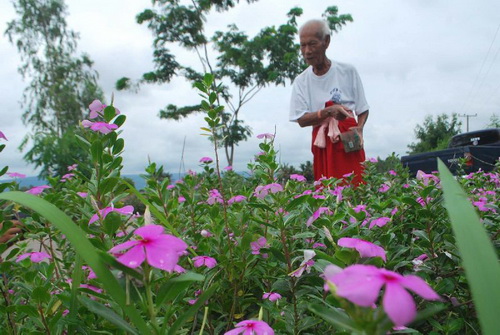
x: 312, y: 48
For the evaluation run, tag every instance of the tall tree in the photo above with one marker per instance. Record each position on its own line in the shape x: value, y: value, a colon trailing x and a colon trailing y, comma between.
x: 61, y: 83
x: 244, y: 65
x: 435, y: 134
x: 494, y: 121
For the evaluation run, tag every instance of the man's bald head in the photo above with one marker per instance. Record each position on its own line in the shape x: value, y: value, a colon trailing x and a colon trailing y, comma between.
x: 318, y: 27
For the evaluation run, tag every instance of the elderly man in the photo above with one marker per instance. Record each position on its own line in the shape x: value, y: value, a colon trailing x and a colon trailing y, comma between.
x: 327, y: 96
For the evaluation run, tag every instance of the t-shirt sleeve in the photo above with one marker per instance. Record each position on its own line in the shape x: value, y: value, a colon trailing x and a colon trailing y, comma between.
x: 298, y: 105
x: 359, y: 93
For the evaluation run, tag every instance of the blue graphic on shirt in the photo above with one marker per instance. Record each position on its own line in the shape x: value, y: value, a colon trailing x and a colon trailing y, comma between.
x: 336, y: 95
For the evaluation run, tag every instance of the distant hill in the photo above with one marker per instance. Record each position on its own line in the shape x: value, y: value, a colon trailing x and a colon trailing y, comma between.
x: 139, y: 183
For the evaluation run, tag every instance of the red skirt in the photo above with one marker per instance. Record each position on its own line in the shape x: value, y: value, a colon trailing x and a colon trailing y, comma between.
x: 333, y: 161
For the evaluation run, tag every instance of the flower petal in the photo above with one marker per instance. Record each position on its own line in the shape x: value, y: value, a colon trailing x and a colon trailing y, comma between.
x: 359, y: 284
x: 420, y: 287
x: 399, y: 304
x: 149, y: 231
x: 134, y: 257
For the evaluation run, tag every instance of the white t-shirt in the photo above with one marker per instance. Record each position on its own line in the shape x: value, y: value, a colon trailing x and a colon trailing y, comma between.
x: 341, y: 84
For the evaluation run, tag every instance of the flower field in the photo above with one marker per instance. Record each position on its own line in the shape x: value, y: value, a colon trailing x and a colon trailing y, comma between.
x: 218, y: 253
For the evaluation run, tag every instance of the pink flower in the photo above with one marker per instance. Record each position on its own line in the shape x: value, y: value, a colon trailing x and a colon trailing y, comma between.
x: 209, y: 262
x: 65, y: 312
x: 262, y: 191
x: 365, y: 248
x: 271, y: 296
x: 267, y: 136
x: 67, y: 176
x: 214, y: 196
x: 72, y: 167
x: 298, y: 177
x: 380, y: 221
x: 228, y: 168
x: 35, y: 257
x: 37, y: 189
x: 206, y: 160
x: 236, y: 198
x: 169, y: 187
x: 2, y: 135
x: 360, y: 208
x: 427, y: 177
x: 16, y: 175
x: 361, y: 285
x: 257, y: 245
x: 96, y: 107
x: 126, y: 210
x: 181, y: 199
x: 393, y: 173
x: 318, y: 245
x: 82, y: 194
x: 206, y: 233
x: 372, y: 160
x: 306, y: 264
x: 92, y: 288
x: 101, y: 127
x: 384, y: 188
x: 394, y: 211
x: 317, y: 214
x: 251, y: 327
x: 158, y: 249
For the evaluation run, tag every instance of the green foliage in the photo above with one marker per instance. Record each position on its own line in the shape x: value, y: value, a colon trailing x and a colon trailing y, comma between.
x: 435, y: 134
x: 62, y: 84
x: 244, y: 64
x: 478, y: 254
x: 494, y: 121
x: 225, y: 216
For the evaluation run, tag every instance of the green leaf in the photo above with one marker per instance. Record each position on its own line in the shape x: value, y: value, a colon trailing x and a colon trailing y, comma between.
x: 118, y: 147
x: 175, y: 286
x: 96, y: 151
x: 40, y: 295
x: 192, y: 310
x: 334, y: 316
x: 83, y: 247
x: 107, y: 314
x: 109, y: 113
x: 111, y: 223
x: 120, y: 119
x: 478, y: 255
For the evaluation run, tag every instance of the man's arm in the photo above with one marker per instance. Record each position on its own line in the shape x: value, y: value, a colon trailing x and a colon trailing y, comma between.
x: 362, y: 119
x: 339, y: 112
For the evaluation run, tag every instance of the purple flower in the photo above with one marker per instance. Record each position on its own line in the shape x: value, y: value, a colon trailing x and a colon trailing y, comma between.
x: 72, y: 167
x: 384, y: 188
x: 372, y: 160
x: 267, y: 136
x: 214, y: 196
x: 96, y: 107
x: 236, y: 198
x: 37, y: 189
x: 251, y: 327
x: 257, y: 245
x: 206, y: 160
x: 16, y: 175
x: 101, y: 127
x: 67, y: 176
x: 206, y: 233
x: 380, y: 221
x: 298, y: 177
x: 365, y: 248
x: 361, y: 285
x: 228, y: 168
x: 306, y: 264
x: 126, y: 210
x: 427, y: 177
x: 91, y: 287
x: 262, y: 191
x: 181, y: 199
x: 209, y: 262
x: 393, y: 173
x: 158, y: 249
x: 35, y: 257
x: 271, y: 296
x: 318, y: 245
x: 2, y: 135
x: 317, y: 214
x: 82, y: 194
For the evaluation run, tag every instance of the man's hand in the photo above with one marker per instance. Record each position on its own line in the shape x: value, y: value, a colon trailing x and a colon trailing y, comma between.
x: 11, y: 232
x: 338, y: 112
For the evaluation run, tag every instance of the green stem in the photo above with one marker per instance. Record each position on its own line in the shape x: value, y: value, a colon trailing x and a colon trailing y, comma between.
x: 149, y: 295
x: 205, y: 315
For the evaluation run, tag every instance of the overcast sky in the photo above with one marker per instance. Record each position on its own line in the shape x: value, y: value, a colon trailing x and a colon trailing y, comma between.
x: 415, y: 58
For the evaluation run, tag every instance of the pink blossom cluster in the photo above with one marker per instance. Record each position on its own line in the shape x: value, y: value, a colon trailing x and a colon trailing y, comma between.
x: 126, y: 210
x: 262, y: 191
